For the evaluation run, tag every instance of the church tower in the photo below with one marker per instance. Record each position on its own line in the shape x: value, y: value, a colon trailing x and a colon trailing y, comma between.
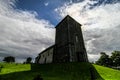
x: 69, y: 43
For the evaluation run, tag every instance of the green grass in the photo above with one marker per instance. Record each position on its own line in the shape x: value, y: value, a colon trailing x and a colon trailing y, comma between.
x: 64, y: 71
x: 12, y: 67
x: 108, y: 73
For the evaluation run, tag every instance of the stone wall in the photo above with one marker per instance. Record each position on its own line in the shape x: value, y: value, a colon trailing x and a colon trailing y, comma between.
x: 46, y: 56
x: 69, y: 42
x: 61, y: 42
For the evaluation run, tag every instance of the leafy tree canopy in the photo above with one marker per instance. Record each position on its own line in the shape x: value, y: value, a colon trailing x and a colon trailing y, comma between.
x: 28, y: 60
x: 116, y: 58
x: 9, y: 59
x: 104, y: 60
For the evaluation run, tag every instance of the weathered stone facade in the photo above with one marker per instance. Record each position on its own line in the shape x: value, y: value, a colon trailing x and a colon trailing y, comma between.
x: 69, y: 44
x: 46, y: 56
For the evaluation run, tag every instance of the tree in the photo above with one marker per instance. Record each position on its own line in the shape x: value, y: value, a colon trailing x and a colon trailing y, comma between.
x: 116, y: 58
x: 9, y: 59
x: 104, y: 60
x: 1, y: 66
x: 28, y: 60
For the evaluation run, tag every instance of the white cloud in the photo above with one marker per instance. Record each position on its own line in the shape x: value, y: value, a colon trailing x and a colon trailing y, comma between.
x: 46, y: 4
x: 93, y: 57
x: 21, y: 34
x: 101, y: 24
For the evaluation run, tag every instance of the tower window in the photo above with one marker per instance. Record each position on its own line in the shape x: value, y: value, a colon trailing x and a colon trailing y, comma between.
x: 76, y: 38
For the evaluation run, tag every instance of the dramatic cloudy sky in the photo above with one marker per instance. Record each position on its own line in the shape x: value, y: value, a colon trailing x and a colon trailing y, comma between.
x: 27, y: 26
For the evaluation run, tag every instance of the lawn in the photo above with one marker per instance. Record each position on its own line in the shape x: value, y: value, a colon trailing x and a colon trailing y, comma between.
x: 12, y: 67
x: 64, y: 71
x: 108, y: 73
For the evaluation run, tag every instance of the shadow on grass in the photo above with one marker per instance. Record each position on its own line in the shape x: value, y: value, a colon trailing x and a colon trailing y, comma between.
x: 23, y: 75
x: 58, y: 71
x: 94, y: 74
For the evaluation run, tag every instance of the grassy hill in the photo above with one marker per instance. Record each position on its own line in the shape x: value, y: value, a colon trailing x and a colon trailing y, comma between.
x: 108, y: 73
x: 64, y: 71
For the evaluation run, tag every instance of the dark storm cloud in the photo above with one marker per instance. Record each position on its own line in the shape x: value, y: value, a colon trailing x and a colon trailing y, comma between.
x: 4, y: 54
x: 43, y: 41
x: 105, y: 40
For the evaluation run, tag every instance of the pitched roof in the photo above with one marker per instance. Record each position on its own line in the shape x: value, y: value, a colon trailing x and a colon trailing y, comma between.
x: 67, y: 18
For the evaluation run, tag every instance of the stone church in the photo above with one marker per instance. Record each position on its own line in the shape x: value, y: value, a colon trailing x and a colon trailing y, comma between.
x: 69, y: 44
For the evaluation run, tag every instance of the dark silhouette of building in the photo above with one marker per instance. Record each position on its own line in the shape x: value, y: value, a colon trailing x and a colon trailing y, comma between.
x: 69, y: 44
